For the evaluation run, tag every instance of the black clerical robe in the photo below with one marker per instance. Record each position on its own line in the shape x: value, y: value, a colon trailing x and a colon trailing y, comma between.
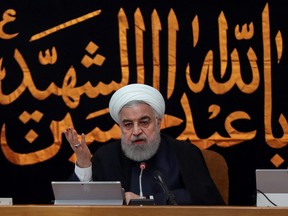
x: 181, y: 163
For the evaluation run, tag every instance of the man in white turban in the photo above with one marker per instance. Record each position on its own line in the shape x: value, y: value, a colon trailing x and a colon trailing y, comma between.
x: 139, y: 109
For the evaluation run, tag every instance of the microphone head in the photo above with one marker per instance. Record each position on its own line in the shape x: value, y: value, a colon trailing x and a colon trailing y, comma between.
x: 143, y: 166
x: 158, y: 177
x: 157, y: 173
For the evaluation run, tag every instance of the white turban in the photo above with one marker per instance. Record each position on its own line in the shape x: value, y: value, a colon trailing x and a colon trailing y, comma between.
x: 132, y: 92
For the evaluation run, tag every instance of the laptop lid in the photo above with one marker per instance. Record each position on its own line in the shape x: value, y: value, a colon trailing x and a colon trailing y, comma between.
x: 87, y: 193
x: 272, y: 187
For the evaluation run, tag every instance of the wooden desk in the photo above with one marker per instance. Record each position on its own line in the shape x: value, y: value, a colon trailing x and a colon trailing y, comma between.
x: 51, y: 210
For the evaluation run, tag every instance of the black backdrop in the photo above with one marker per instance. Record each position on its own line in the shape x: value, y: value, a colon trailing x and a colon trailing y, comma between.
x: 44, y: 90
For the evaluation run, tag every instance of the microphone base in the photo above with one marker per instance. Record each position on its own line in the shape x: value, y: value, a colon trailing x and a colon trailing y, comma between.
x: 142, y: 202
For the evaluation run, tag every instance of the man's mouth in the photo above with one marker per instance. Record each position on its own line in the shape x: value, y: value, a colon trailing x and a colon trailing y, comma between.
x: 138, y: 141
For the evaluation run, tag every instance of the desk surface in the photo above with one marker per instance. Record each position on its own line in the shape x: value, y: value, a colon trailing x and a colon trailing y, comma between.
x: 51, y: 210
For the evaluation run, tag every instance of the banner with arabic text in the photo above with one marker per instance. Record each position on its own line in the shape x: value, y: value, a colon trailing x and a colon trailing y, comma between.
x: 221, y: 66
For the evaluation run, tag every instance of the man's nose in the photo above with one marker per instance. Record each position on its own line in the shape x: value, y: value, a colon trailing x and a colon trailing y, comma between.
x: 136, y: 130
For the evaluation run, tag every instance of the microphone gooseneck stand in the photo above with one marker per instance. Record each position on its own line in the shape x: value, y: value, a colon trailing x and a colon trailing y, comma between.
x: 169, y: 197
x: 143, y: 200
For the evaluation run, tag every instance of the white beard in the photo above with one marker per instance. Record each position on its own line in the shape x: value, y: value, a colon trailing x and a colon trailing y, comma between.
x: 141, y: 152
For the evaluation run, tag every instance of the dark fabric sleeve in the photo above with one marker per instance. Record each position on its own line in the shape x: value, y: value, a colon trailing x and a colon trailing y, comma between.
x: 73, y: 177
x: 196, y: 176
x: 181, y: 197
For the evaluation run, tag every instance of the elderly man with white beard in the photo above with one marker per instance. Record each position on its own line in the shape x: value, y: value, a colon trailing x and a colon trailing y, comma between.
x: 139, y: 109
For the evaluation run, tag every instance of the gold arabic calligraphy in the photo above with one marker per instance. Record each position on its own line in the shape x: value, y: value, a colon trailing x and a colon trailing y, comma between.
x: 71, y: 93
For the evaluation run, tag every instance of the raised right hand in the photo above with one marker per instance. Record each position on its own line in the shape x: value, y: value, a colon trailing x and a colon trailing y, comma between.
x: 80, y: 148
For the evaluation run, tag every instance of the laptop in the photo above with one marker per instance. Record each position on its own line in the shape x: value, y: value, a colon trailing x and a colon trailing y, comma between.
x: 272, y: 187
x: 87, y: 193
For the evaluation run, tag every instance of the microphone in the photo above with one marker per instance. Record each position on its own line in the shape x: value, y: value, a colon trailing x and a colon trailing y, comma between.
x: 142, y: 167
x: 142, y: 201
x: 169, y: 197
